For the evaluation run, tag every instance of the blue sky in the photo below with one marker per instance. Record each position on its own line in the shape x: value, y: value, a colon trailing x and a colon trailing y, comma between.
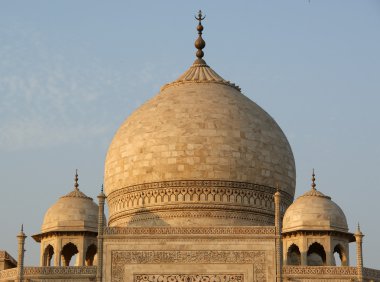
x: 72, y: 71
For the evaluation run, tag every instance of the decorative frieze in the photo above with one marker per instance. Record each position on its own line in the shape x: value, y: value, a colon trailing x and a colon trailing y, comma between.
x: 58, y: 270
x: 188, y: 277
x: 254, y: 230
x: 138, y: 202
x: 319, y: 270
x: 121, y: 259
x: 8, y: 274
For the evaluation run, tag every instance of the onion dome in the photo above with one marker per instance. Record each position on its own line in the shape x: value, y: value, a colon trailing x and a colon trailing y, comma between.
x: 199, y: 152
x: 72, y: 212
x: 314, y: 211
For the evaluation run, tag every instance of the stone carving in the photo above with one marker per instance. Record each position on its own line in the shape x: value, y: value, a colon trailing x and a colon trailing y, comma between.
x: 120, y: 259
x: 72, y: 271
x: 66, y: 270
x: 319, y: 270
x: 9, y: 273
x: 188, y: 277
x: 196, y: 194
x: 254, y: 230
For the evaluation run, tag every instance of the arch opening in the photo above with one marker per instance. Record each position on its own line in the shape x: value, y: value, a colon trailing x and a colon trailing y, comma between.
x: 69, y: 251
x: 91, y: 254
x: 48, y: 256
x: 340, y: 256
x: 293, y: 255
x: 316, y: 255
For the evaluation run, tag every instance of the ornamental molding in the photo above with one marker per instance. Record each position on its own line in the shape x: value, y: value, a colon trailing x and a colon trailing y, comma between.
x: 149, y: 231
x: 206, y: 277
x: 9, y: 273
x: 121, y: 259
x: 50, y: 271
x: 194, y: 195
x: 290, y: 271
x: 255, y: 216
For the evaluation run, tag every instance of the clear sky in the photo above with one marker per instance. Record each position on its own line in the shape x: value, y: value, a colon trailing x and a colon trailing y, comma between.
x: 72, y: 71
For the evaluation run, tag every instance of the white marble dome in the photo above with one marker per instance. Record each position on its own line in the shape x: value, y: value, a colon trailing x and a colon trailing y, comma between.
x: 314, y: 211
x: 198, y: 128
x: 72, y: 212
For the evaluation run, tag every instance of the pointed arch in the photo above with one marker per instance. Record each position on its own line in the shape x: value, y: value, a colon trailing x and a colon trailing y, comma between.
x: 340, y: 255
x: 316, y: 255
x: 48, y: 255
x: 90, y: 254
x: 293, y: 255
x: 68, y: 251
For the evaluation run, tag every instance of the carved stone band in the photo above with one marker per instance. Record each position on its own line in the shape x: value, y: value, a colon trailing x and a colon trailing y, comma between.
x: 188, y: 277
x: 196, y: 198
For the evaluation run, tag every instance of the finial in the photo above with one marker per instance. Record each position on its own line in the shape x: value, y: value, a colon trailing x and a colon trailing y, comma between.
x: 76, y: 185
x: 358, y: 227
x: 313, y: 185
x: 22, y: 227
x: 200, y: 43
x: 102, y: 188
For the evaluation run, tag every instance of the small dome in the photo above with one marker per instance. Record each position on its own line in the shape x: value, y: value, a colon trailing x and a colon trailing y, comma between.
x: 72, y: 212
x: 314, y: 211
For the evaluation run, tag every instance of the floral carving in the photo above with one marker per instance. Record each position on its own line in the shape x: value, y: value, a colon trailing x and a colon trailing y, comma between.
x: 188, y: 277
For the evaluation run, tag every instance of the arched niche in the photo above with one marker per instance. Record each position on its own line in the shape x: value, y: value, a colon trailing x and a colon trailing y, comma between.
x: 90, y: 254
x: 68, y: 252
x: 316, y: 255
x: 340, y: 255
x: 293, y: 255
x: 48, y: 255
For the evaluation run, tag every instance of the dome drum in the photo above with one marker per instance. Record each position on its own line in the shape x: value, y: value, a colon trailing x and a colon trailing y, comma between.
x: 194, y: 203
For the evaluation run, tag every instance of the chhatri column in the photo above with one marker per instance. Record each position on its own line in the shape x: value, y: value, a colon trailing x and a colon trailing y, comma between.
x: 21, y: 250
x: 359, y: 253
x: 101, y: 199
x: 277, y: 218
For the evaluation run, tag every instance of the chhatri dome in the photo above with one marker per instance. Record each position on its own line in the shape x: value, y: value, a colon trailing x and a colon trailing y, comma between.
x: 73, y: 211
x: 314, y: 211
x: 198, y: 153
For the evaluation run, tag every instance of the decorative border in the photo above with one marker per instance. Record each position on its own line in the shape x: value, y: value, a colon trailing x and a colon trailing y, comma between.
x: 319, y: 270
x: 174, y: 277
x: 9, y: 273
x: 120, y: 259
x: 262, y: 230
x: 188, y: 195
x: 30, y: 271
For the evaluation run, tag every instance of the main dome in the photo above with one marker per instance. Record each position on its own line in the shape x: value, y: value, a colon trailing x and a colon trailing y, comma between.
x: 198, y: 153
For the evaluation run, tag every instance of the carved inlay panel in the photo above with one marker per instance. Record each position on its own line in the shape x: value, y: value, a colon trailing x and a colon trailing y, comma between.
x: 193, y: 195
x: 188, y: 277
x: 123, y: 259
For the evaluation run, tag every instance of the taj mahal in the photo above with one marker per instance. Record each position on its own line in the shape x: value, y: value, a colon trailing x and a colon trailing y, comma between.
x: 199, y: 182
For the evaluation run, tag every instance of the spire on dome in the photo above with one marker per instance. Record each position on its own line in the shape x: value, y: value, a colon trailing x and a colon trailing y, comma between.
x: 200, y: 43
x: 76, y: 193
x: 313, y: 185
x: 76, y: 185
x: 200, y: 71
